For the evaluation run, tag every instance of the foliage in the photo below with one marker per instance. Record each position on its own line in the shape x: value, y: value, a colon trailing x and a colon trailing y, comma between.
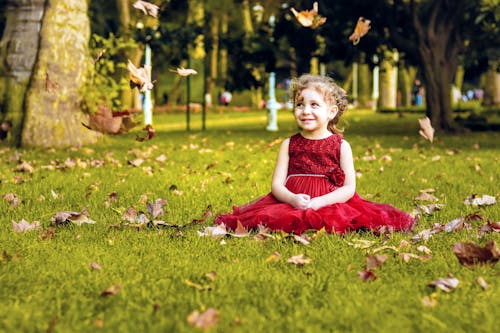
x: 60, y: 279
x: 103, y: 85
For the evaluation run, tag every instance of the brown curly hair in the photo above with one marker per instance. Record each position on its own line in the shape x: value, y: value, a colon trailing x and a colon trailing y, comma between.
x: 326, y: 86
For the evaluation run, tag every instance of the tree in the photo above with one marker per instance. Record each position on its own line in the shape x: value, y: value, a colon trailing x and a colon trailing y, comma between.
x: 41, y: 75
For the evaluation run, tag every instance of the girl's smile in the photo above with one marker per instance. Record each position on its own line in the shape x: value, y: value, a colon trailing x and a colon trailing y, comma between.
x: 312, y: 113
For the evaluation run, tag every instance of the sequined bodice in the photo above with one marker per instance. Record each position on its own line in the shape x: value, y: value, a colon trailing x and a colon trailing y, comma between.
x: 318, y: 157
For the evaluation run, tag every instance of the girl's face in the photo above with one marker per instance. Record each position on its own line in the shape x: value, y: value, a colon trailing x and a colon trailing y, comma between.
x: 312, y: 113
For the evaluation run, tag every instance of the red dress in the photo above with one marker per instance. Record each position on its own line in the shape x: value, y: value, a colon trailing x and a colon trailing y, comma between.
x: 314, y: 169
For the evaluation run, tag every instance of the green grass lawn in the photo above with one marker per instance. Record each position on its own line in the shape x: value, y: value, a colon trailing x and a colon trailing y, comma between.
x: 47, y: 283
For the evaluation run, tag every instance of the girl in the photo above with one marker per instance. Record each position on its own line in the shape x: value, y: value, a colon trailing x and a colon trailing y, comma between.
x: 314, y: 180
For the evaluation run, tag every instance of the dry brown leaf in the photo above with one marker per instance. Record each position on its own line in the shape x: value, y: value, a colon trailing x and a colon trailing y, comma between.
x: 215, y: 232
x: 484, y: 200
x: 147, y: 8
x: 361, y: 29
x: 140, y: 77
x: 185, y: 71
x: 299, y: 260
x: 12, y: 199
x: 426, y: 129
x: 274, y: 257
x: 156, y: 208
x: 367, y: 275
x: 470, y: 254
x: 424, y: 249
x: 113, y: 290
x: 489, y: 227
x: 445, y: 284
x: 24, y: 167
x: 23, y: 226
x: 480, y: 280
x: 205, y: 320
x: 240, y: 230
x: 408, y: 256
x: 309, y: 18
x: 425, y: 196
x: 95, y: 266
x: 375, y: 261
x: 304, y: 239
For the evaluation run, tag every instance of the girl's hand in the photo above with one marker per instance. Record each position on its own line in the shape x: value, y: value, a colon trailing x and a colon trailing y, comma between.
x: 301, y: 201
x: 315, y: 203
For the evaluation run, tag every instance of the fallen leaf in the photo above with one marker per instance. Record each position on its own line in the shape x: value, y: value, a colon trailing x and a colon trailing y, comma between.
x: 274, y: 257
x: 361, y: 243
x: 367, y: 275
x: 408, y: 256
x: 480, y: 280
x: 150, y: 133
x: 304, y: 239
x: 23, y: 226
x: 156, y: 208
x: 113, y: 290
x: 424, y: 249
x: 485, y: 200
x: 470, y: 254
x: 72, y: 217
x: 375, y: 261
x: 95, y: 266
x: 215, y: 232
x: 488, y: 228
x: 299, y: 260
x: 25, y: 167
x: 205, y: 320
x: 445, y: 284
x: 240, y: 230
x: 12, y: 199
x: 48, y: 233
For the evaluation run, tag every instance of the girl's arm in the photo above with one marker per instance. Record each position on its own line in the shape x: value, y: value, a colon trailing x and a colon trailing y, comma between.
x: 278, y: 187
x: 345, y: 192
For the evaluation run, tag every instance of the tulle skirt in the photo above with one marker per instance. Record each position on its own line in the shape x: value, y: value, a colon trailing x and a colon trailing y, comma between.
x: 356, y: 213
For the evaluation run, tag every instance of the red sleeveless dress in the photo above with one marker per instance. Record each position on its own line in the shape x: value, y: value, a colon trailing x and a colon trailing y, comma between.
x: 314, y: 169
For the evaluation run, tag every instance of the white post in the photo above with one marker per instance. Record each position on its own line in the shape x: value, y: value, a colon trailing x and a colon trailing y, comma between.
x: 376, y: 90
x: 148, y: 106
x: 355, y: 83
x: 395, y: 76
x: 272, y: 105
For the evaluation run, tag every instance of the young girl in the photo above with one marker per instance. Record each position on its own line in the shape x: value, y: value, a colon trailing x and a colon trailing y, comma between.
x: 314, y: 180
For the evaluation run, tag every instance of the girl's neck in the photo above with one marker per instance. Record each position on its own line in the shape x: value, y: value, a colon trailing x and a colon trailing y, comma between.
x: 316, y: 135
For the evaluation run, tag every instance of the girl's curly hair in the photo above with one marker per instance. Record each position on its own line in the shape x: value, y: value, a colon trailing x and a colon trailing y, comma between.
x: 326, y: 86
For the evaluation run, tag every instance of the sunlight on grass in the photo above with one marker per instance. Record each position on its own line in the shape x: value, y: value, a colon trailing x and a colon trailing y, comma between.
x: 47, y: 282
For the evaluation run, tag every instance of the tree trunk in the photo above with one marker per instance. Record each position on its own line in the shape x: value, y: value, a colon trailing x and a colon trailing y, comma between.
x: 492, y: 85
x: 223, y: 50
x: 18, y: 52
x: 388, y: 81
x: 52, y: 115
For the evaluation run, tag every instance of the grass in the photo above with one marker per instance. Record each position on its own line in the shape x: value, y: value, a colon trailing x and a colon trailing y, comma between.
x: 48, y: 285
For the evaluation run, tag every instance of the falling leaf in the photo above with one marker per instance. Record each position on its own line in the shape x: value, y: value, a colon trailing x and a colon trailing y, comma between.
x: 485, y: 200
x: 367, y: 275
x: 185, y: 71
x: 95, y: 266
x: 23, y: 226
x: 361, y: 29
x: 140, y: 77
x: 375, y: 261
x: 205, y: 320
x: 104, y: 121
x: 309, y: 18
x: 299, y: 260
x: 445, y: 284
x: 150, y: 133
x: 147, y: 8
x: 274, y: 257
x: 426, y: 129
x: 113, y: 290
x: 480, y: 280
x: 470, y: 254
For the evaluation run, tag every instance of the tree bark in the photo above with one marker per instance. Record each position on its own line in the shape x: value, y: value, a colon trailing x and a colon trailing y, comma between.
x: 18, y: 52
x: 52, y: 115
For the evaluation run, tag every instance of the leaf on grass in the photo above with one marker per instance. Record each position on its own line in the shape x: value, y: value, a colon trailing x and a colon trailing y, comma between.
x: 240, y: 230
x: 156, y: 208
x: 488, y: 228
x: 367, y: 275
x: 424, y: 249
x: 375, y: 261
x: 48, y: 233
x: 423, y: 235
x: 304, y: 239
x: 361, y: 243
x: 113, y: 290
x: 406, y: 256
x: 299, y: 260
x: 24, y: 167
x: 263, y: 233
x: 215, y: 232
x: 211, y: 275
x: 72, y: 217
x: 425, y: 195
x: 456, y: 225
x: 428, y: 209
x: 485, y: 200
x: 470, y: 254
x: 195, y: 285
x: 275, y: 257
x: 445, y: 284
x: 480, y: 280
x: 204, y: 320
x: 12, y: 199
x: 23, y: 226
x: 95, y: 266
